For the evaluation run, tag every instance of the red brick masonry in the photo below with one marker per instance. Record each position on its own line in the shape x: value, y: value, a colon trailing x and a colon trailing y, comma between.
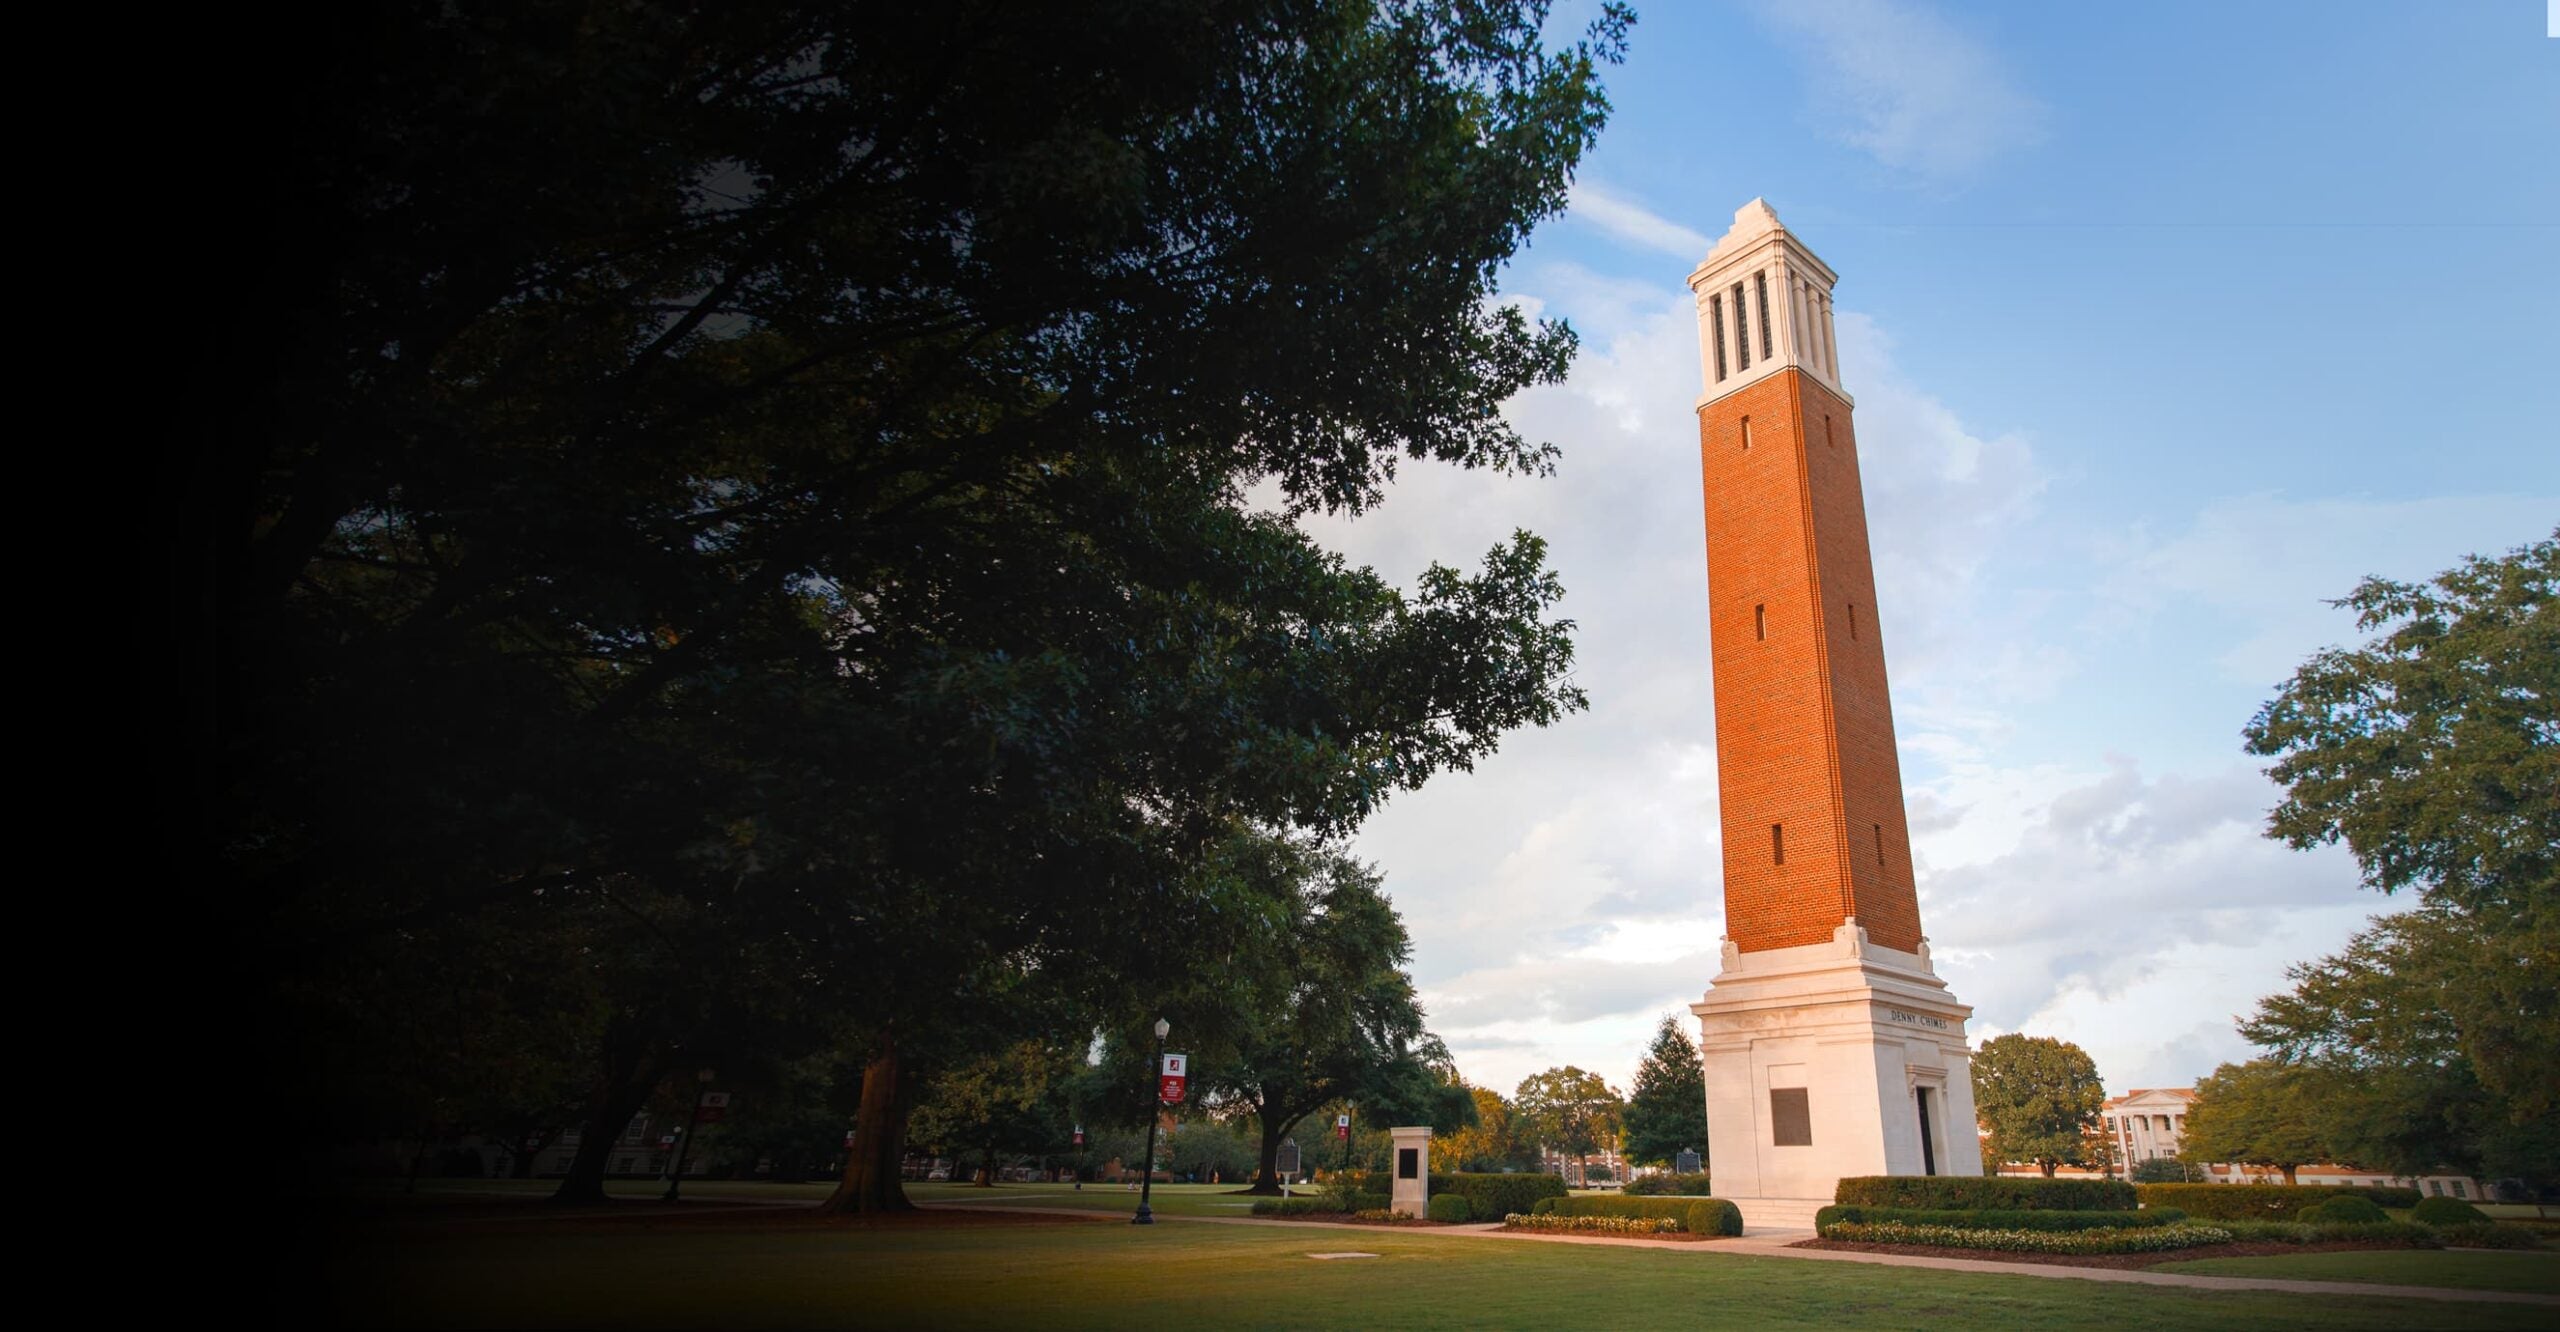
x: 1804, y: 725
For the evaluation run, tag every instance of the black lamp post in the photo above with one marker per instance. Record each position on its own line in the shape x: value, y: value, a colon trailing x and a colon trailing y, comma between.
x: 1155, y: 1111
x: 684, y: 1136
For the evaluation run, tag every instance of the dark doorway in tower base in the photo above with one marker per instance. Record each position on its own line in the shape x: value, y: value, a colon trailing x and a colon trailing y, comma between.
x: 1928, y: 1138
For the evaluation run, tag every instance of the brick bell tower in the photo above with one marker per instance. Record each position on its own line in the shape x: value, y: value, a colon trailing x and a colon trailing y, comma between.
x: 1832, y: 1048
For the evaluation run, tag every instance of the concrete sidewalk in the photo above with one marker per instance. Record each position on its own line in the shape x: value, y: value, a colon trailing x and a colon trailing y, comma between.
x: 1775, y: 1244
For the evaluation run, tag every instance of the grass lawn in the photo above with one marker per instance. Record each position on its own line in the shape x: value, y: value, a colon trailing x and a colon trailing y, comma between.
x: 498, y: 1264
x: 2395, y: 1267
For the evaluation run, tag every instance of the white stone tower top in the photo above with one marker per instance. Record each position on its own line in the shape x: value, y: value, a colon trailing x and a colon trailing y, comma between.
x: 1764, y: 304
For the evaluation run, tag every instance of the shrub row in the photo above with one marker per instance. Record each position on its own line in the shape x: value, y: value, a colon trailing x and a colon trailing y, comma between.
x: 1451, y: 1207
x: 2347, y: 1210
x: 1315, y: 1205
x: 1380, y: 1214
x: 1670, y: 1186
x: 2123, y: 1239
x: 1606, y: 1225
x: 1490, y: 1195
x: 2265, y: 1202
x: 1969, y: 1193
x: 2298, y: 1232
x: 1990, y: 1219
x: 1698, y: 1216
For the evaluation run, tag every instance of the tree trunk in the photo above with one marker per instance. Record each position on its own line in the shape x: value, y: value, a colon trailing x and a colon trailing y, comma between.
x: 1266, y: 1172
x: 987, y: 1165
x: 417, y: 1161
x: 629, y: 1076
x: 2288, y: 1173
x: 870, y: 1182
x: 2046, y: 1167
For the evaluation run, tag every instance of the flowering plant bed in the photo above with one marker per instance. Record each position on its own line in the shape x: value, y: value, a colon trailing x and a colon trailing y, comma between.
x: 2118, y: 1261
x: 1609, y: 1227
x: 2128, y: 1239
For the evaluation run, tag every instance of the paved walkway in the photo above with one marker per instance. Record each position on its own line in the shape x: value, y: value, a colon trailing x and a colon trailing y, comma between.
x: 1775, y: 1244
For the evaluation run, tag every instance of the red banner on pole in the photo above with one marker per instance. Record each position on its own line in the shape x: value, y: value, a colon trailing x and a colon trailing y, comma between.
x: 1171, y: 1078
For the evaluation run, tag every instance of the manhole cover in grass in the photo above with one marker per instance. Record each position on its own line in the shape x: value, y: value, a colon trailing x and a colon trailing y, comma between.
x: 1329, y: 1256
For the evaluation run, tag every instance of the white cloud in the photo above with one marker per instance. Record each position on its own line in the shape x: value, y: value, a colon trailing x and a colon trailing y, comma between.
x: 1908, y: 89
x: 1633, y: 222
x: 2265, y: 567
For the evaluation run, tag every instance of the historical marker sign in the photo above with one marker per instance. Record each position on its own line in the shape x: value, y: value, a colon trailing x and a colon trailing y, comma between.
x: 1688, y: 1162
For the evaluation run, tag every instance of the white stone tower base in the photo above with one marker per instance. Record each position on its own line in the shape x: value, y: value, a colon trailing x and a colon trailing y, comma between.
x: 1824, y: 1062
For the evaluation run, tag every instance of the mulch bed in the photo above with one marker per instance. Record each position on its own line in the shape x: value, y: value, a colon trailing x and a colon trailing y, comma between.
x: 2119, y: 1261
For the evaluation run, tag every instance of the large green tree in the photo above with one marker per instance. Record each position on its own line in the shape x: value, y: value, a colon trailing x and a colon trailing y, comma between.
x: 1005, y: 1101
x: 2432, y: 750
x: 1314, y: 1011
x: 2260, y: 1113
x: 1667, y: 1108
x: 2039, y: 1097
x: 2379, y: 1040
x: 1570, y: 1110
x: 775, y: 474
x: 1492, y: 1143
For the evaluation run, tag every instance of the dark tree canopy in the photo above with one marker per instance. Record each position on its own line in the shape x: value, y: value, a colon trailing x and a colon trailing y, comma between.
x: 769, y: 481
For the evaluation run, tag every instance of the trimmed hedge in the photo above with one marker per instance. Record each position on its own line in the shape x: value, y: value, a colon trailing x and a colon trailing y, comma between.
x: 1836, y: 1214
x: 1487, y: 1194
x: 1968, y: 1193
x: 2383, y: 1233
x: 1491, y: 1195
x: 2345, y: 1210
x: 1317, y: 1206
x: 1670, y: 1186
x: 2125, y: 1239
x: 1451, y: 1207
x: 2265, y: 1202
x: 1698, y: 1216
x: 2446, y: 1212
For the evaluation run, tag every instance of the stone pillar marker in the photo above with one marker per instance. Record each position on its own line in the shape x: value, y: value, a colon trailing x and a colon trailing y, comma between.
x: 1409, y: 1171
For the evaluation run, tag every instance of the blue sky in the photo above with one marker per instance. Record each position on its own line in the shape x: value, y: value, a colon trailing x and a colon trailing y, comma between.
x: 2165, y: 323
